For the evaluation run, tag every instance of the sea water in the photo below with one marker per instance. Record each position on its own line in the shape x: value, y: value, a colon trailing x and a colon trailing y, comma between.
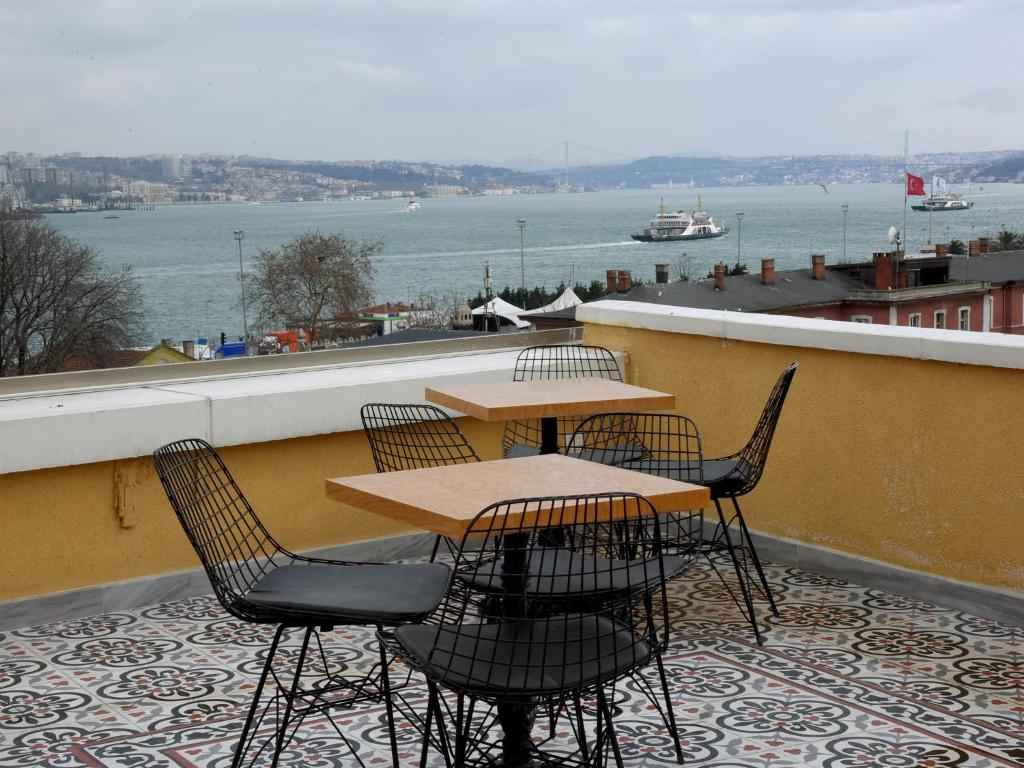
x: 186, y: 257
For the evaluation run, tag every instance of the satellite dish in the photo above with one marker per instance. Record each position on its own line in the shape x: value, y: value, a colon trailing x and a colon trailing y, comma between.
x: 893, y: 235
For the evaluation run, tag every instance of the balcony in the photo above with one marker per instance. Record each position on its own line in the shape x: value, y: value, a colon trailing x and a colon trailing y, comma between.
x: 892, y: 524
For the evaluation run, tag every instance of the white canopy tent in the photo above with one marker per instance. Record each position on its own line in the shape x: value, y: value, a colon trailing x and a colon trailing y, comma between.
x: 501, y: 308
x: 566, y: 300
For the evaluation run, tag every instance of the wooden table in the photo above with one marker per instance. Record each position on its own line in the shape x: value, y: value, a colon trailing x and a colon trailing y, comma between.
x: 547, y: 400
x: 446, y: 499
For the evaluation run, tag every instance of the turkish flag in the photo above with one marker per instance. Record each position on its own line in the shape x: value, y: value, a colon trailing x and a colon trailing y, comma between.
x: 915, y: 185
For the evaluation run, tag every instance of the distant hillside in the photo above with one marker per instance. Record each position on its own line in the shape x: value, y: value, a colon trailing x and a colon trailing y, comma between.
x: 1004, y: 170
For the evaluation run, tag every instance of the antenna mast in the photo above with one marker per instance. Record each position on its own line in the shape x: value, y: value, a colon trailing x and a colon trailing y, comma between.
x: 906, y: 178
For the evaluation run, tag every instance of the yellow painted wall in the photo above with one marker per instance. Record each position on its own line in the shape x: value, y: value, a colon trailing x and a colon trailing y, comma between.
x: 65, y: 528
x: 162, y: 354
x: 912, y: 462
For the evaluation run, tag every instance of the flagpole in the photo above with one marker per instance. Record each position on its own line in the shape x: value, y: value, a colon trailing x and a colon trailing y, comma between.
x: 930, y: 211
x: 906, y: 181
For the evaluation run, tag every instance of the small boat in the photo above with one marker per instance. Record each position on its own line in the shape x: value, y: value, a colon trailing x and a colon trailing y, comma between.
x: 680, y: 225
x: 413, y: 205
x: 110, y: 216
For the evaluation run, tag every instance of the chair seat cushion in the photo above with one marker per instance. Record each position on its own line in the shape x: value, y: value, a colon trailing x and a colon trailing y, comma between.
x: 613, y: 455
x: 367, y: 594
x: 530, y: 658
x: 720, y: 475
x: 562, y: 572
x: 518, y: 451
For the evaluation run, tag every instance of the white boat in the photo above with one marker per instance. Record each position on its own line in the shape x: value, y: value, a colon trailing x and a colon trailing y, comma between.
x: 680, y: 225
x: 941, y: 199
x: 413, y: 205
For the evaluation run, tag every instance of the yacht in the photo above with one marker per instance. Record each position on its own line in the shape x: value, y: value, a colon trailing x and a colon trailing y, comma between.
x: 680, y: 225
x: 413, y: 205
x: 947, y: 201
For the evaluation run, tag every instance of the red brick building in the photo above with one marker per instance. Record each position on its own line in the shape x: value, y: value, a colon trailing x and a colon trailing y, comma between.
x: 983, y: 292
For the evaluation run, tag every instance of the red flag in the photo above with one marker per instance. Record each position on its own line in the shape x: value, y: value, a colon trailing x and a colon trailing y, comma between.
x: 915, y: 185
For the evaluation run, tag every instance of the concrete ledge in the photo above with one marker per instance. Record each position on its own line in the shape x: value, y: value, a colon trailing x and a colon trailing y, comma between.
x: 963, y: 347
x: 151, y: 590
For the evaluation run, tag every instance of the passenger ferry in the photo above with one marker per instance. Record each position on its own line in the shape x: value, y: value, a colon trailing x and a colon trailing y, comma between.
x: 680, y: 225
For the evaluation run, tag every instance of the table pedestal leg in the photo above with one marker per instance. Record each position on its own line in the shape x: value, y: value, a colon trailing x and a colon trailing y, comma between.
x: 516, y: 717
x: 549, y: 435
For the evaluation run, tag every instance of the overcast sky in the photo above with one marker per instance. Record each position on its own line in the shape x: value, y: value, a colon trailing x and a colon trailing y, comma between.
x: 495, y: 82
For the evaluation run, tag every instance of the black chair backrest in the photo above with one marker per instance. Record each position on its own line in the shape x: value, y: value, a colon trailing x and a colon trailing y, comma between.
x: 556, y: 361
x: 661, y: 444
x: 411, y: 436
x: 234, y: 547
x: 608, y: 539
x: 566, y: 361
x: 754, y: 454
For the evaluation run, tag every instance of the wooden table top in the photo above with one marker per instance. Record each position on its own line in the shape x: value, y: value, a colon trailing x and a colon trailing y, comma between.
x: 510, y: 400
x: 446, y: 499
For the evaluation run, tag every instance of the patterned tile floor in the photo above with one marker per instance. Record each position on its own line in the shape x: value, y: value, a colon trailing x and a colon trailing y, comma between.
x: 848, y: 677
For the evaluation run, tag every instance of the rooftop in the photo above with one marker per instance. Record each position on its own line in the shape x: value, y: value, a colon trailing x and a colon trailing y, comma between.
x: 848, y: 677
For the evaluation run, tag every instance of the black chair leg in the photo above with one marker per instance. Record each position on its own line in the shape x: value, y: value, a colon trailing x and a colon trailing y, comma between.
x: 748, y: 601
x: 240, y: 747
x: 290, y: 697
x: 388, y: 705
x: 669, y: 715
x: 609, y: 729
x: 581, y: 731
x: 753, y: 555
x: 437, y: 543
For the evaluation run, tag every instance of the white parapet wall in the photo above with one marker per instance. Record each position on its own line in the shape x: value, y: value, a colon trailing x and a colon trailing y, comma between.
x: 965, y: 347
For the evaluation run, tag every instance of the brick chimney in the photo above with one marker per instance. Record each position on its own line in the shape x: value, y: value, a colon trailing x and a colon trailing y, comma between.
x: 625, y: 281
x: 941, y: 249
x: 883, y: 270
x: 661, y: 273
x: 973, y: 248
x: 719, y: 277
x: 768, y: 271
x: 612, y: 278
x: 983, y: 244
x: 818, y: 266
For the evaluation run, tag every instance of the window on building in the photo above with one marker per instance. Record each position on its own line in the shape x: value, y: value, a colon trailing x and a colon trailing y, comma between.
x: 914, y: 320
x: 940, y: 318
x: 861, y: 318
x: 965, y: 318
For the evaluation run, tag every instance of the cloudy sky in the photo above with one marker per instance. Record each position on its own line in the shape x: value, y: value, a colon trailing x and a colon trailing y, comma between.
x: 472, y: 80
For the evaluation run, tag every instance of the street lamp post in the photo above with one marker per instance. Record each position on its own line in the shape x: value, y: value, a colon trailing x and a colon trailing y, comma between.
x: 239, y: 234
x: 521, y: 223
x: 846, y: 209
x: 739, y: 234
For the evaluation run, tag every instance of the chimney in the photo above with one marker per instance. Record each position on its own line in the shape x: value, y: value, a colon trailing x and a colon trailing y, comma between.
x: 625, y: 281
x: 661, y: 273
x: 983, y: 245
x: 768, y: 271
x: 818, y: 266
x: 719, y: 277
x: 167, y: 342
x: 188, y: 346
x: 973, y: 248
x: 883, y: 270
x: 612, y: 278
x: 941, y: 250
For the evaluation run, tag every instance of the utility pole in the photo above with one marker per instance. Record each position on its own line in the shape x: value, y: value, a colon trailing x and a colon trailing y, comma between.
x: 846, y: 210
x: 906, y: 178
x: 239, y: 234
x: 739, y: 235
x: 521, y: 223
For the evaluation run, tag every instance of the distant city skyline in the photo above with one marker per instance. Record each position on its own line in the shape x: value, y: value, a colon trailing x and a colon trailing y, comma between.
x: 464, y: 82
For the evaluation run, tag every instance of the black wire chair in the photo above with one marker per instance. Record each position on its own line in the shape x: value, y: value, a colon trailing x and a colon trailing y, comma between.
x: 555, y: 361
x: 411, y: 436
x: 736, y: 475
x: 257, y: 580
x: 559, y: 633
x: 670, y: 446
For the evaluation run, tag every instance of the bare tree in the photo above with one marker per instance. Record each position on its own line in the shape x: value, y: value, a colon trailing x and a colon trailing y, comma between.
x: 311, y: 279
x: 56, y: 300
x: 684, y: 268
